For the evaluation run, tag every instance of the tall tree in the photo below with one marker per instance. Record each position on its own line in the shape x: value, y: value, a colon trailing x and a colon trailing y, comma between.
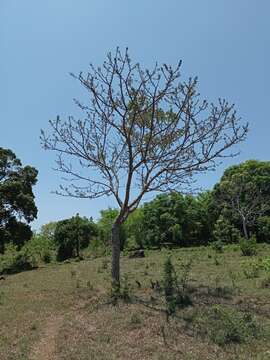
x: 143, y: 131
x: 72, y: 235
x: 244, y: 193
x: 163, y: 220
x: 16, y: 199
x: 177, y: 219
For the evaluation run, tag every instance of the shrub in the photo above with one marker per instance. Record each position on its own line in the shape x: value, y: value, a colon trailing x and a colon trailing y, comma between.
x: 251, y: 269
x: 8, y: 258
x: 175, y: 287
x: 224, y: 326
x: 135, y: 320
x: 121, y: 292
x: 125, y: 290
x: 233, y: 278
x: 13, y: 261
x: 264, y: 229
x: 37, y: 250
x: 40, y: 248
x: 183, y: 278
x: 218, y: 246
x: 265, y: 264
x: 266, y: 282
x: 169, y: 283
x: 96, y: 249
x: 224, y: 232
x: 248, y: 247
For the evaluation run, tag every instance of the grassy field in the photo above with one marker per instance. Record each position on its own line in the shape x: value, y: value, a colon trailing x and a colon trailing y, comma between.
x: 63, y: 311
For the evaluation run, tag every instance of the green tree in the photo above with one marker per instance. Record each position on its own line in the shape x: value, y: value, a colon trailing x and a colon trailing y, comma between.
x: 134, y: 229
x: 198, y: 220
x: 17, y: 201
x: 177, y: 219
x: 225, y: 232
x: 72, y: 235
x: 48, y: 230
x: 243, y: 194
x: 263, y: 229
x: 104, y: 226
x: 163, y: 218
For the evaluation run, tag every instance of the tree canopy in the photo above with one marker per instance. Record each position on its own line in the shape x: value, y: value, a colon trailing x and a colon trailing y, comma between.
x: 72, y: 235
x: 17, y: 201
x: 243, y: 194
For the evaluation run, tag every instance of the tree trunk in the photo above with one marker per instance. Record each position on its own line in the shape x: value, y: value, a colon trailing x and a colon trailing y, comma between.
x: 116, y: 254
x: 245, y: 228
x: 78, y: 246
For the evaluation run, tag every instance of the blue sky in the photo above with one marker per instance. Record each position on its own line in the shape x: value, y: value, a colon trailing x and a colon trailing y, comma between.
x: 225, y: 42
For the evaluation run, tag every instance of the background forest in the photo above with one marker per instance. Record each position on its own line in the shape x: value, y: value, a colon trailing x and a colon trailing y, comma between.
x: 237, y: 208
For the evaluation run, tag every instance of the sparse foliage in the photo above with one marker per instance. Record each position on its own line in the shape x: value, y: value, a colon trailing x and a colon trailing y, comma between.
x: 175, y: 286
x: 143, y: 131
x: 227, y: 326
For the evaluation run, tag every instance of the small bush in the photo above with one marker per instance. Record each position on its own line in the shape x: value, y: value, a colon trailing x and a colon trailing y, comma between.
x: 135, y: 320
x: 216, y: 260
x: 125, y: 290
x: 40, y: 249
x: 184, y: 276
x: 225, y: 232
x: 169, y: 283
x: 121, y: 291
x: 175, y: 287
x: 251, y: 269
x: 233, y: 278
x: 218, y: 246
x: 13, y: 261
x: 182, y: 300
x: 105, y: 264
x: 265, y: 264
x: 96, y: 249
x: 248, y: 247
x: 266, y: 282
x: 8, y: 258
x: 224, y: 326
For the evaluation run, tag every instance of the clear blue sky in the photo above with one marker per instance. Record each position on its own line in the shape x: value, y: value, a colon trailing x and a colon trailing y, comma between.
x: 225, y: 42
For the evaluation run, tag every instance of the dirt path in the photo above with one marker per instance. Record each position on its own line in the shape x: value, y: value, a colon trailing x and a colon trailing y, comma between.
x: 45, y: 348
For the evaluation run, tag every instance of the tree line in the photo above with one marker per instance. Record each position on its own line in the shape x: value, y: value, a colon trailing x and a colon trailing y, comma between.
x: 237, y: 207
x: 175, y: 219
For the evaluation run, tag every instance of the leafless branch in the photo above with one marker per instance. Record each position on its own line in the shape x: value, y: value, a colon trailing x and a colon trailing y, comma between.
x: 143, y: 129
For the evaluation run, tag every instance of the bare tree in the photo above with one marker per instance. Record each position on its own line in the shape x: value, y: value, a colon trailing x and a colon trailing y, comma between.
x: 143, y: 131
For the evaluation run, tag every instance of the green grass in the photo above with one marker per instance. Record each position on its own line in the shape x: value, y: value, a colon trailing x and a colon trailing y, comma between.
x: 65, y: 310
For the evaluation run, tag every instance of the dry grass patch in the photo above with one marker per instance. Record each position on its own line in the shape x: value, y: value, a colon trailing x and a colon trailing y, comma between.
x: 67, y: 306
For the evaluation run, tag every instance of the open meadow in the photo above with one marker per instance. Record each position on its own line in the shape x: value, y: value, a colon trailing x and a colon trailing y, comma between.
x: 65, y: 312
x: 134, y: 180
